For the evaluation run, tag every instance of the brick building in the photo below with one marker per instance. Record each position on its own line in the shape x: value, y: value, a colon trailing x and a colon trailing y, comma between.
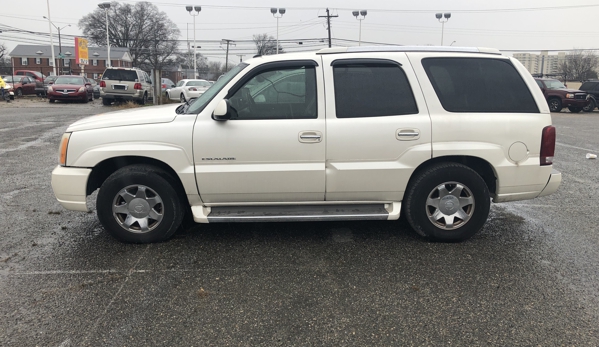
x: 39, y: 58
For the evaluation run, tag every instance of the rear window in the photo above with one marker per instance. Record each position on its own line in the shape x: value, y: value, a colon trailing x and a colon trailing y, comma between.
x: 120, y: 75
x: 479, y: 85
x: 198, y: 84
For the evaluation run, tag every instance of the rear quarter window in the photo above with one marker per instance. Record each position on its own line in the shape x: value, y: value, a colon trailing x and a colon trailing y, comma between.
x: 479, y: 85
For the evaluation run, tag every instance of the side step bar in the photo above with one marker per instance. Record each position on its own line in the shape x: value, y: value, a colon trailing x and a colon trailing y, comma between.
x: 296, y: 213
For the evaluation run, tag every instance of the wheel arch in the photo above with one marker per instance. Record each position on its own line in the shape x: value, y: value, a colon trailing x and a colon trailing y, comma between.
x: 107, y: 167
x: 481, y: 166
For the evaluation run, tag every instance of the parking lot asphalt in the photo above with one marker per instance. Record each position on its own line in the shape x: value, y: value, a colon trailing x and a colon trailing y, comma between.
x: 531, y: 277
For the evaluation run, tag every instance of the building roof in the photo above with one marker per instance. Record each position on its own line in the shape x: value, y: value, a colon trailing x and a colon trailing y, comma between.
x: 31, y: 51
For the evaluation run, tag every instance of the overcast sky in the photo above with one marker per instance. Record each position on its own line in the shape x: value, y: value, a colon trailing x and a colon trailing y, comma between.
x: 508, y: 25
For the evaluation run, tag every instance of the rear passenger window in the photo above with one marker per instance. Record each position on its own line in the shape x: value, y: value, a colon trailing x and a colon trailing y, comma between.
x: 479, y: 85
x: 371, y: 88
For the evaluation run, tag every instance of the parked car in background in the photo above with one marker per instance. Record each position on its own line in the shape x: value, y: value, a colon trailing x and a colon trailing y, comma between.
x: 559, y: 96
x: 188, y: 89
x: 119, y: 83
x: 71, y: 88
x: 36, y: 75
x: 95, y: 86
x: 20, y: 85
x: 166, y: 84
x: 592, y: 88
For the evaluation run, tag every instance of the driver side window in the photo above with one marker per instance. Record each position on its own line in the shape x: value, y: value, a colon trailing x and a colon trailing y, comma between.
x: 279, y: 93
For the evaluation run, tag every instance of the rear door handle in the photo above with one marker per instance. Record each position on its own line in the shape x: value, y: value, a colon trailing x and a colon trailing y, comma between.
x: 407, y: 134
x: 310, y: 136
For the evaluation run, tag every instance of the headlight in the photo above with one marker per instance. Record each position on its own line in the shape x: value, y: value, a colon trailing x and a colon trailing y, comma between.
x: 82, y: 89
x: 62, y: 150
x: 569, y: 96
x: 8, y: 86
x: 50, y: 89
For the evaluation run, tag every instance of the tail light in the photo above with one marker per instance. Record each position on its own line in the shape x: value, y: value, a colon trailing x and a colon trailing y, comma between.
x: 547, y: 145
x: 193, y: 89
x: 163, y: 86
x: 137, y: 86
x: 102, y: 84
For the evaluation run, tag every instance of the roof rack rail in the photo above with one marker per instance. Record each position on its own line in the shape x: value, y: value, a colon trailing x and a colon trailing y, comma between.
x: 408, y: 49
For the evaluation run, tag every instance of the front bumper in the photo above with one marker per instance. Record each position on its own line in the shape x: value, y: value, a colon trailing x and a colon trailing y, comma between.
x: 67, y: 96
x: 576, y: 102
x: 553, y: 183
x: 69, y: 185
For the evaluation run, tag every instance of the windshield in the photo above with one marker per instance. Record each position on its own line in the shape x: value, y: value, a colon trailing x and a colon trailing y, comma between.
x: 554, y: 84
x: 69, y: 80
x: 198, y: 104
x: 11, y: 79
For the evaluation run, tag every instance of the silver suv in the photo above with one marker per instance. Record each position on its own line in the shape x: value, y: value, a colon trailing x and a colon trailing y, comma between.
x: 119, y: 83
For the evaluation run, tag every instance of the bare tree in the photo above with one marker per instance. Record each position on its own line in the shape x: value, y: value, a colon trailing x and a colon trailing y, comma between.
x: 148, y: 33
x: 266, y: 45
x: 580, y: 65
x: 2, y: 50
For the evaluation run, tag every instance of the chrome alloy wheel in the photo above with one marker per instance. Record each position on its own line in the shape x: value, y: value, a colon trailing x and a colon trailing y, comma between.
x: 138, y: 209
x: 450, y: 205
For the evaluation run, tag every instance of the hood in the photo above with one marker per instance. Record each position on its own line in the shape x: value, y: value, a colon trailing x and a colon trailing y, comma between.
x: 67, y: 86
x: 142, y: 115
x: 573, y: 90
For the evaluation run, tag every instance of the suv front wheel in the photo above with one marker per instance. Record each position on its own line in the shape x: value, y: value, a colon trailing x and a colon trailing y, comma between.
x: 555, y: 105
x: 137, y: 204
x: 447, y: 202
x: 591, y: 106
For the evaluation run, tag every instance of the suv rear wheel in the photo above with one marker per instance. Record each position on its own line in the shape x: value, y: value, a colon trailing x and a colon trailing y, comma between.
x: 106, y: 102
x: 448, y: 202
x: 143, y: 100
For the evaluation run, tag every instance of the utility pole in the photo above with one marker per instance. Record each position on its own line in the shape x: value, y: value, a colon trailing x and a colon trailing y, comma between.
x: 228, y: 42
x: 328, y: 17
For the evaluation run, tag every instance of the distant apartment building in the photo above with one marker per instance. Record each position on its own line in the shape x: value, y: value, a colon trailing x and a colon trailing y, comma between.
x: 544, y: 63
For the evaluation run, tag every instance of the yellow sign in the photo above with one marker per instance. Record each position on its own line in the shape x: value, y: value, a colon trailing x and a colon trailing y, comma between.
x: 81, y: 51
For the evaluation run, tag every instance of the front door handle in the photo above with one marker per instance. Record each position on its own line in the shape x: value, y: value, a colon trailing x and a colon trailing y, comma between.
x: 310, y: 136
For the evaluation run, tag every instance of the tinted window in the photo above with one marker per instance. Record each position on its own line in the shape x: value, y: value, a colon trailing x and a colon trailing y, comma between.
x: 364, y: 89
x: 69, y: 80
x: 588, y: 86
x: 120, y: 75
x: 284, y: 93
x: 479, y: 85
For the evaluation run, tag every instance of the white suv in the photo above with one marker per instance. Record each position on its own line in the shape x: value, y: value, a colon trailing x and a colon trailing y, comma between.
x: 360, y: 133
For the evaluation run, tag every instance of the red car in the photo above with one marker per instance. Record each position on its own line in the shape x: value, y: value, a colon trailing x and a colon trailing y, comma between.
x: 73, y: 87
x: 38, y: 76
x: 20, y: 85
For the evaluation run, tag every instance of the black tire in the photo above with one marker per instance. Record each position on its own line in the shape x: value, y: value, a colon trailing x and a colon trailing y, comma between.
x: 555, y: 105
x: 575, y: 109
x: 591, y: 106
x: 106, y: 102
x: 51, y: 101
x: 19, y: 92
x: 143, y: 100
x: 158, y: 211
x: 182, y: 98
x: 463, y: 186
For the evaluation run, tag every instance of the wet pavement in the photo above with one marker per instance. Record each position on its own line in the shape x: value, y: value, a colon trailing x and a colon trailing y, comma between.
x: 531, y: 277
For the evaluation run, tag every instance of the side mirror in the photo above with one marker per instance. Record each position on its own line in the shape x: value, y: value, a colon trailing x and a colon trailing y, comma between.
x: 221, y: 112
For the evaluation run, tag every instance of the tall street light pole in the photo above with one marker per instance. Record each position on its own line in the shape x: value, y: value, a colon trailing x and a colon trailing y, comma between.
x: 197, y: 10
x: 59, y: 42
x: 440, y: 17
x: 105, y: 6
x: 51, y: 39
x: 362, y: 13
x: 274, y: 11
